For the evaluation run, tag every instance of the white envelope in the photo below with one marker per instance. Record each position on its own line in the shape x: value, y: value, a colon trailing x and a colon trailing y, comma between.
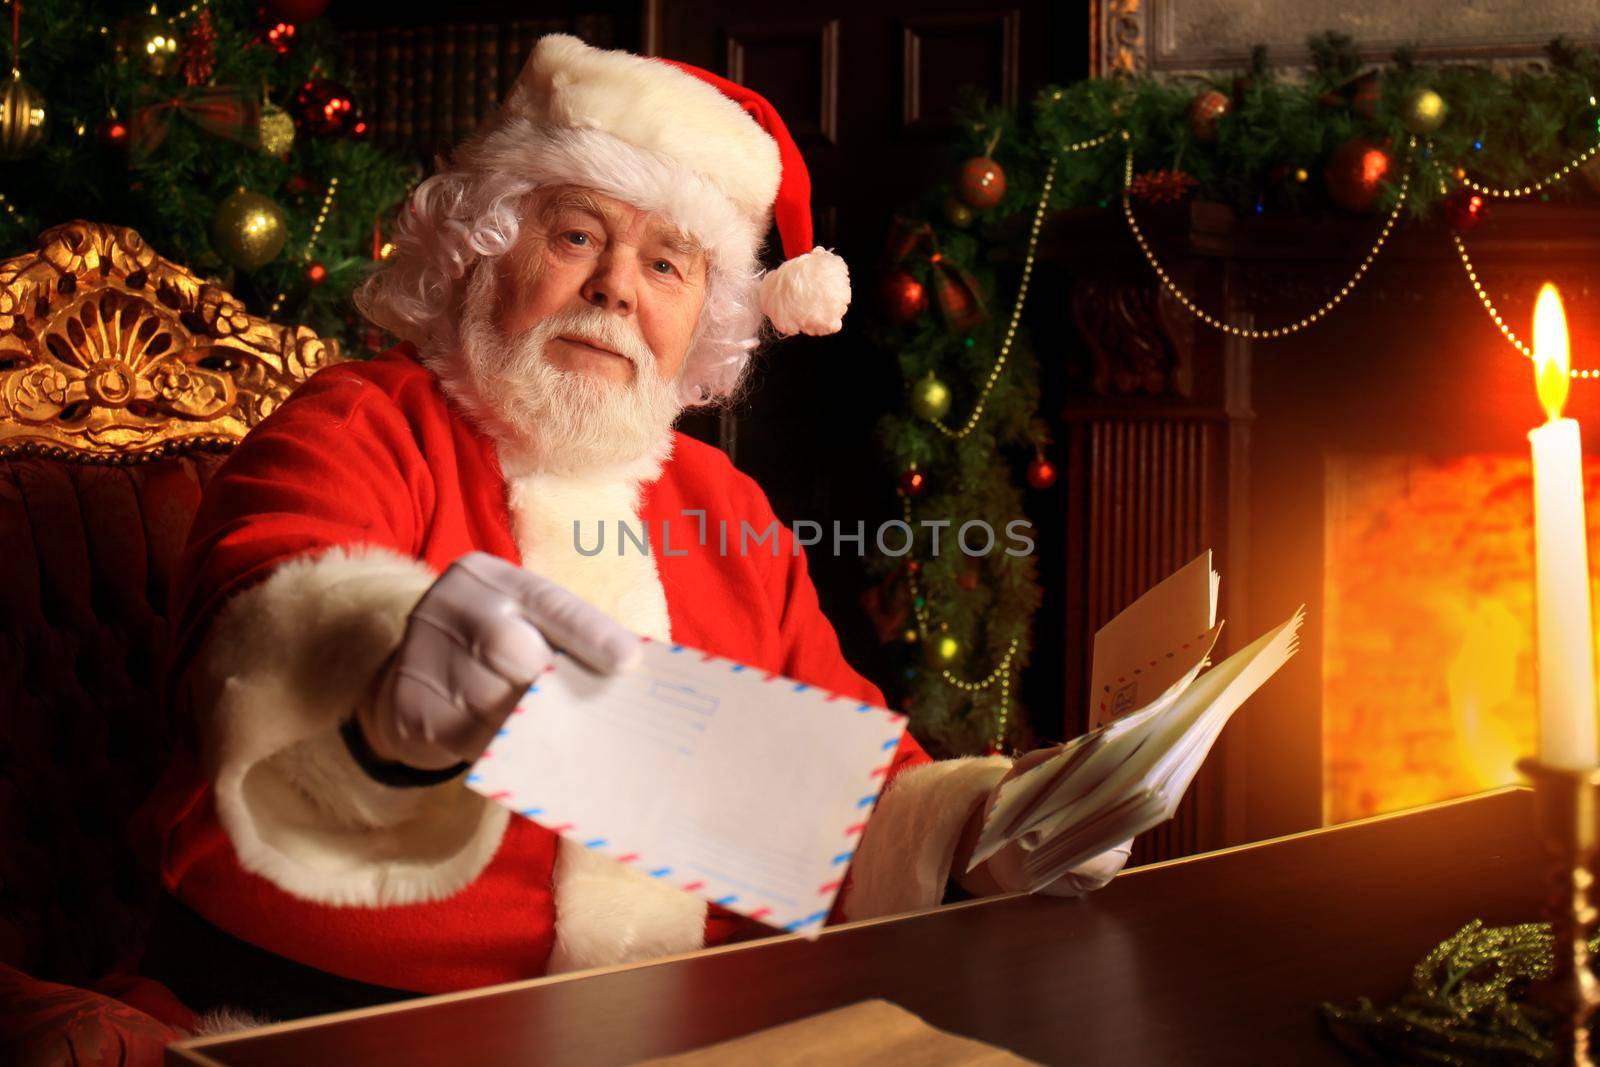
x: 746, y: 788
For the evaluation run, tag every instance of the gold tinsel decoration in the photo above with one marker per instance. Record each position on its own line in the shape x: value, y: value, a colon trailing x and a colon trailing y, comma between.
x: 23, y: 117
x: 1466, y: 1006
x: 276, y: 131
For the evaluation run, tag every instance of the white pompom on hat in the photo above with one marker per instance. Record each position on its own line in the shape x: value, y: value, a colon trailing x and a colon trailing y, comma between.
x: 717, y: 159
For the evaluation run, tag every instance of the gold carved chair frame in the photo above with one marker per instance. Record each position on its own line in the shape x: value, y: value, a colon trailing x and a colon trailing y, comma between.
x: 110, y: 353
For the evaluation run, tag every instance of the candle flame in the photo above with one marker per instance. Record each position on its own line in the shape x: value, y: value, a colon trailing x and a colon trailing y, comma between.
x: 1550, y: 359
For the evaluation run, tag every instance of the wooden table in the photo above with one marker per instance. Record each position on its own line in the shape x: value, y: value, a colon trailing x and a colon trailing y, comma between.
x: 1213, y: 959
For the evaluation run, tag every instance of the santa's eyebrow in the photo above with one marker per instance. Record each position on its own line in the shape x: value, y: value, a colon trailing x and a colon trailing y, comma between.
x: 678, y: 241
x: 573, y: 200
x: 579, y: 200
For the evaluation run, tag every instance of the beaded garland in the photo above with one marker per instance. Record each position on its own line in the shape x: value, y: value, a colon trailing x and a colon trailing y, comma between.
x: 316, y: 232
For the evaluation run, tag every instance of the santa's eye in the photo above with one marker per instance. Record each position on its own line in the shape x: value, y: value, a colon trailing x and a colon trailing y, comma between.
x: 578, y: 238
x: 663, y: 267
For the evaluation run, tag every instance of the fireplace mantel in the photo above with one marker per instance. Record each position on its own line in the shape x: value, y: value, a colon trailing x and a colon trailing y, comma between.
x: 1176, y: 437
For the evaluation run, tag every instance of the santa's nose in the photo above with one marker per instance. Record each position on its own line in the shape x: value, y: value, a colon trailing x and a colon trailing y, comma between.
x: 612, y: 285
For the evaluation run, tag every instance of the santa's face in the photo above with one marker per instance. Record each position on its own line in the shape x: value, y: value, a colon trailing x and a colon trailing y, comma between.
x: 572, y: 343
x: 580, y: 250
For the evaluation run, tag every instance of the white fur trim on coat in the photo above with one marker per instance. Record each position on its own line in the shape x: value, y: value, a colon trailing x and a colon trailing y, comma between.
x: 654, y: 106
x: 606, y: 913
x: 905, y: 855
x: 807, y: 294
x: 285, y: 662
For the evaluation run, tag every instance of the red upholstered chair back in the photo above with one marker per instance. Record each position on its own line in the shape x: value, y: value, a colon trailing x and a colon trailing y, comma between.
x: 124, y: 380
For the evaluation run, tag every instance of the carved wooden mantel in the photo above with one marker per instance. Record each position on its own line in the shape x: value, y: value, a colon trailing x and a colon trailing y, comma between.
x: 1175, y: 437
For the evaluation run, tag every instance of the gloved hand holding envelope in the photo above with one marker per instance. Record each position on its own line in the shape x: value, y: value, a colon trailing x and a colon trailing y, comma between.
x: 744, y: 787
x: 1155, y: 719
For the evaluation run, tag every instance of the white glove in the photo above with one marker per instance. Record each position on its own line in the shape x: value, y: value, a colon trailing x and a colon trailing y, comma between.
x: 480, y: 635
x: 1005, y: 866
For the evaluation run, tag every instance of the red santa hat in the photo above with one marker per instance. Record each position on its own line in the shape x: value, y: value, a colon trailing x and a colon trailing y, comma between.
x: 665, y: 136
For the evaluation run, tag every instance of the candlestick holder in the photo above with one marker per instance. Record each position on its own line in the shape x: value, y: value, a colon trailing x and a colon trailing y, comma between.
x: 1567, y: 810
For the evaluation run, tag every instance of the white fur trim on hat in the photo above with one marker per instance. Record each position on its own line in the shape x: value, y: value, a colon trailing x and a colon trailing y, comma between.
x: 807, y: 294
x: 654, y: 106
x: 595, y: 159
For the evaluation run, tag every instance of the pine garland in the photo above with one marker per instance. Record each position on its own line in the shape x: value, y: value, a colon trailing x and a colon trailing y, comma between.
x: 1267, y: 153
x: 69, y: 53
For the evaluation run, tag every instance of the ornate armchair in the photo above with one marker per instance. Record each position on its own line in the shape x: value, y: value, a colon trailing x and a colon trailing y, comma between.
x: 124, y: 380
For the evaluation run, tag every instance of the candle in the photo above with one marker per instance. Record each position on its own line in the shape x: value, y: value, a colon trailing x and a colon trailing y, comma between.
x: 1566, y: 642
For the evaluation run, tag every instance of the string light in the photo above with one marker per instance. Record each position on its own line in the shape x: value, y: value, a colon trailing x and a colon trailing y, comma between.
x: 1499, y: 320
x: 1001, y: 673
x: 1022, y: 289
x: 1276, y: 331
x: 311, y: 242
x: 1513, y: 192
x: 11, y: 211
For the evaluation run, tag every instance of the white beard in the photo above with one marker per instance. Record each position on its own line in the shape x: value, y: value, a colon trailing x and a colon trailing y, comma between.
x: 548, y: 419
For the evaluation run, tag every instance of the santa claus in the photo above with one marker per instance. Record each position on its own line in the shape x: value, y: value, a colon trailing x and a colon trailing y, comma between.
x: 386, y: 562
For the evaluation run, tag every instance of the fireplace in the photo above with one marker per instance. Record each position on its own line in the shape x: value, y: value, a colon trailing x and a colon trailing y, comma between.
x: 1428, y: 668
x: 1374, y: 467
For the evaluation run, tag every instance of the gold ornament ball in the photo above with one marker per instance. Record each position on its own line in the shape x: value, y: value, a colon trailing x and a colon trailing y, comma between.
x: 909, y: 636
x: 956, y: 212
x: 1424, y: 112
x: 276, y: 131
x: 930, y: 398
x: 944, y: 651
x: 249, y: 229
x: 1301, y: 175
x: 23, y: 119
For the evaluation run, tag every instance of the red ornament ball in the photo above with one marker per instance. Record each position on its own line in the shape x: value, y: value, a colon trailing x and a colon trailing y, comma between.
x: 1356, y: 172
x: 1204, y: 112
x: 1464, y: 209
x: 111, y: 132
x: 913, y: 482
x: 982, y: 183
x: 316, y: 273
x: 297, y: 10
x: 324, y: 108
x: 904, y: 298
x: 1041, y: 473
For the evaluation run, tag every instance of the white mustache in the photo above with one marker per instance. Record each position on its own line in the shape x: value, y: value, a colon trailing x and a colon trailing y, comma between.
x: 600, y: 328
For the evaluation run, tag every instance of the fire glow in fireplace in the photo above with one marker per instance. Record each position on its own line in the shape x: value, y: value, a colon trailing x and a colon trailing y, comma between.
x: 1429, y: 681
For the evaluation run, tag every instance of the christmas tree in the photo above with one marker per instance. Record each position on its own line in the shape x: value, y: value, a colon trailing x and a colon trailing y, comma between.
x: 222, y: 132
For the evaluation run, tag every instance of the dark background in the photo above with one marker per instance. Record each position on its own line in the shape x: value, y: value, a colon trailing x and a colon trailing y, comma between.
x: 867, y: 89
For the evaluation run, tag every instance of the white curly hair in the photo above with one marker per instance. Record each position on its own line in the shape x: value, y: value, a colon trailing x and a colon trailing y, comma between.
x: 472, y: 211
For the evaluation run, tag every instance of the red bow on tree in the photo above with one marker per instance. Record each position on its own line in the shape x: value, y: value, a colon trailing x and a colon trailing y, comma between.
x: 218, y: 110
x: 954, y: 289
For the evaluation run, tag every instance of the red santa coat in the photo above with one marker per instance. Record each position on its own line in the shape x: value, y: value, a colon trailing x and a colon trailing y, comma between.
x: 310, y: 547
